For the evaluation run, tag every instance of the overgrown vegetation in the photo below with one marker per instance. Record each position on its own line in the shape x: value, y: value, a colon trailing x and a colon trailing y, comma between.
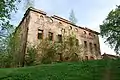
x: 10, y: 56
x: 30, y: 56
x: 48, y: 51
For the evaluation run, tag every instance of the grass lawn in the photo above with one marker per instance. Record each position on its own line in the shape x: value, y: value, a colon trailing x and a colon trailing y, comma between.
x: 88, y: 70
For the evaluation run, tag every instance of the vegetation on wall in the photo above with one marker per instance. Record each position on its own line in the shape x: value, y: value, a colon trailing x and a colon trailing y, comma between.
x: 47, y: 51
x: 67, y: 50
x: 30, y: 57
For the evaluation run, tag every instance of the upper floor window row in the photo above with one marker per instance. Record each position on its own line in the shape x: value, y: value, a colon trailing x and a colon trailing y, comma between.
x: 90, y: 34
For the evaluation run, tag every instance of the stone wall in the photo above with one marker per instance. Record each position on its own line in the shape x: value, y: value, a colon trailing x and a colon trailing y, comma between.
x: 60, y: 26
x: 22, y: 31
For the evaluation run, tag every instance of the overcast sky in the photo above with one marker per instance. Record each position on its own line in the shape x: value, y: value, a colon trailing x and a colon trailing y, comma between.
x: 89, y: 13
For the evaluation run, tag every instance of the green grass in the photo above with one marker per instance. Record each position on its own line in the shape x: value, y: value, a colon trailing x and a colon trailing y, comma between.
x: 88, y: 70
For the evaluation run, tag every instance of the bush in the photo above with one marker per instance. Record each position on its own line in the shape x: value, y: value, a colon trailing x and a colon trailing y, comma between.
x: 31, y: 56
x: 47, y: 50
x: 6, y: 60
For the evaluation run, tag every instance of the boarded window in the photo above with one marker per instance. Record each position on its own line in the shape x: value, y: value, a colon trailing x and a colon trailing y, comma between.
x: 50, y: 36
x: 40, y: 34
x: 59, y: 38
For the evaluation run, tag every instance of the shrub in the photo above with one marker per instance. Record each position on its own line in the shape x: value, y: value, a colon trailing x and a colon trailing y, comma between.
x: 6, y: 60
x: 31, y: 56
x: 47, y: 50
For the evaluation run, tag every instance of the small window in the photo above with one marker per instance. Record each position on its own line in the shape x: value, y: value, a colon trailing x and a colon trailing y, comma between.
x: 95, y: 46
x: 50, y: 36
x: 85, y: 44
x: 60, y: 23
x: 90, y: 34
x: 70, y: 27
x: 40, y: 34
x: 76, y: 29
x: 84, y: 32
x: 90, y: 47
x: 41, y: 16
x: 67, y: 58
x: 86, y: 57
x: 59, y: 38
x: 92, y: 58
x: 51, y: 21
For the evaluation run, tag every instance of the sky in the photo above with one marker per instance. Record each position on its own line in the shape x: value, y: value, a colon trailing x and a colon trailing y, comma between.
x: 89, y: 13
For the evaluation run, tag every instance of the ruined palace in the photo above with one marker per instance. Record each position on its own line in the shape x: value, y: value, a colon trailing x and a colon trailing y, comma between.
x: 36, y: 25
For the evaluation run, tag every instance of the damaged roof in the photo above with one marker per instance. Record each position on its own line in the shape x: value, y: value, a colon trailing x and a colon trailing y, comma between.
x: 56, y: 17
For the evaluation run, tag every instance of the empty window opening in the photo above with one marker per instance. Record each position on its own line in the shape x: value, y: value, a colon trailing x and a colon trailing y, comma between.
x: 70, y: 27
x: 90, y: 47
x: 76, y: 29
x: 86, y: 57
x: 95, y: 47
x: 50, y: 36
x: 84, y: 32
x: 90, y: 34
x: 85, y: 44
x: 92, y: 58
x: 59, y: 38
x: 40, y: 34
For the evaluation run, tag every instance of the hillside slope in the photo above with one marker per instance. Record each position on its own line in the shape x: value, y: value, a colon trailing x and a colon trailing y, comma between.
x: 88, y: 70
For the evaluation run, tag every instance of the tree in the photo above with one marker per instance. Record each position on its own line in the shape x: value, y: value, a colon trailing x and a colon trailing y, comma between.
x: 6, y: 7
x: 110, y: 29
x: 72, y: 17
x: 9, y: 42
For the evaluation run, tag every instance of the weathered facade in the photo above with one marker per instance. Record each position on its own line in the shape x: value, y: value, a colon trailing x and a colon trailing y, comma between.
x: 37, y: 25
